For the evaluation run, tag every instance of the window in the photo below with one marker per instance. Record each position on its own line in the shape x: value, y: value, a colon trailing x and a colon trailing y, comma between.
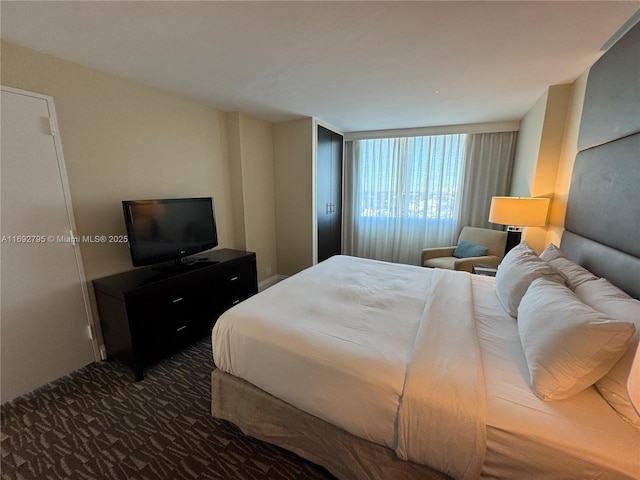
x: 405, y: 194
x: 417, y: 177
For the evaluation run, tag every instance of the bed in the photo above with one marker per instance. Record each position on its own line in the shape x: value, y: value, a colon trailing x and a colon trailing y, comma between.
x: 385, y: 371
x: 342, y: 360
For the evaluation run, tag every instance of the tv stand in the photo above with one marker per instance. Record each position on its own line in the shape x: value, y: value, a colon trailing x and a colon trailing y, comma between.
x: 148, y: 313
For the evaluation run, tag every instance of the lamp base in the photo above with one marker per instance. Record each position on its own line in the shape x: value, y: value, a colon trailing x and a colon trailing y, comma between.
x: 514, y: 236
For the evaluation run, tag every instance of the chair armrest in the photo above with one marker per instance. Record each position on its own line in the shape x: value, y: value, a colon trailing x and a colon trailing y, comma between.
x: 466, y: 264
x: 436, y: 252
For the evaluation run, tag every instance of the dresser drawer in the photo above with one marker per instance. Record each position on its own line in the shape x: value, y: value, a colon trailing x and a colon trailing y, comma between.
x: 172, y: 316
x: 238, y: 281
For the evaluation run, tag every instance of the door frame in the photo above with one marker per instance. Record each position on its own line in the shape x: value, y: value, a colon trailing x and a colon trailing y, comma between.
x: 55, y: 133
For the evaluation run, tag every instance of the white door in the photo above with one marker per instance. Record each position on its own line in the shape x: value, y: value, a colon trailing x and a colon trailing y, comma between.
x: 44, y: 315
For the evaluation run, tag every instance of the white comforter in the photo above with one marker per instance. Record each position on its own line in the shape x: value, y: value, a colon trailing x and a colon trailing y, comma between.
x: 441, y: 420
x: 389, y: 354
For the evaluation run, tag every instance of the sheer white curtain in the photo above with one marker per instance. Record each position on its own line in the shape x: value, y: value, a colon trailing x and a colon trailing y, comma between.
x: 488, y: 166
x: 401, y: 195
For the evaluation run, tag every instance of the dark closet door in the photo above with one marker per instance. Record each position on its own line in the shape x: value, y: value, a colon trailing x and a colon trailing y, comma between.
x: 329, y: 193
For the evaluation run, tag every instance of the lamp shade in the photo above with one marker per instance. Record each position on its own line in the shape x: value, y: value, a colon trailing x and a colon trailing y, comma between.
x: 519, y: 211
x: 633, y: 382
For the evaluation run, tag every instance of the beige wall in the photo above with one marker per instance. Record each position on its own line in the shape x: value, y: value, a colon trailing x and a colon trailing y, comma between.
x: 567, y: 157
x: 540, y: 145
x: 293, y: 147
x: 252, y: 172
x: 528, y: 148
x: 235, y: 179
x: 551, y: 142
x: 122, y: 140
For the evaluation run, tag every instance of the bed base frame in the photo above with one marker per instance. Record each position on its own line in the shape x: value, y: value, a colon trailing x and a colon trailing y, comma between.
x: 267, y: 418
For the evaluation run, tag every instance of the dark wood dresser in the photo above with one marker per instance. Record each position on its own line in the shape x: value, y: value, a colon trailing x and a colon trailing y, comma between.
x: 150, y: 312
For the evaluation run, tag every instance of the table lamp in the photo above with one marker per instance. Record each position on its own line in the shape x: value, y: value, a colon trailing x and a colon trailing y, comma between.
x: 518, y: 212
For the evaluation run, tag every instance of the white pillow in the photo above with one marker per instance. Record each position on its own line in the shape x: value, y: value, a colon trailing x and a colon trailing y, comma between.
x: 573, y: 273
x: 518, y: 269
x: 567, y: 344
x: 609, y: 299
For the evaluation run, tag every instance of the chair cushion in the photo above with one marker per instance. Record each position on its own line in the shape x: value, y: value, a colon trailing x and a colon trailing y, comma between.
x: 441, y: 262
x: 494, y: 240
x: 468, y: 249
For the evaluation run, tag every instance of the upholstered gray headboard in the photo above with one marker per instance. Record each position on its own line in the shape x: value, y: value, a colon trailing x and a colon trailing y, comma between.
x: 602, y: 224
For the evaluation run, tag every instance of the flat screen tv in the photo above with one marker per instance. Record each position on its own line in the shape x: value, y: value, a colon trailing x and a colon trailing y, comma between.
x: 165, y: 230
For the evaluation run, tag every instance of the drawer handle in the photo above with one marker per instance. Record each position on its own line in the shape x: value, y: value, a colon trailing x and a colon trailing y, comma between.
x: 235, y: 302
x: 181, y: 328
x: 177, y: 300
x: 233, y: 279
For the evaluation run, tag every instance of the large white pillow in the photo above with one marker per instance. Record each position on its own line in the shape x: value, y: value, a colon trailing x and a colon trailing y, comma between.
x: 568, y: 345
x: 573, y: 273
x: 609, y: 299
x: 518, y: 269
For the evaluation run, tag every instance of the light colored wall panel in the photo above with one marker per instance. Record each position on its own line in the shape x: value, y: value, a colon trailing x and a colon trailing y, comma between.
x: 123, y: 140
x: 44, y: 322
x: 258, y: 192
x: 540, y: 144
x: 551, y: 142
x: 293, y: 147
x: 234, y: 148
x: 528, y: 149
x: 558, y: 207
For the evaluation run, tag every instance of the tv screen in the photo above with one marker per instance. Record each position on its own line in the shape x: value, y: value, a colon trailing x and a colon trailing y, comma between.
x: 169, y: 229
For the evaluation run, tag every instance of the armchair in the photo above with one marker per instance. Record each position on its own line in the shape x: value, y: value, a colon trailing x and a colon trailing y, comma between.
x: 442, y: 257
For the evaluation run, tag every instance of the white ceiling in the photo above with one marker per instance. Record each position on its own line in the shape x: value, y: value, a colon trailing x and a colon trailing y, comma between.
x: 357, y: 65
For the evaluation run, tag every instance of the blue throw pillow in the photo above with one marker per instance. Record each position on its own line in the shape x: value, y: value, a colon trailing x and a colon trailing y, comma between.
x: 468, y: 249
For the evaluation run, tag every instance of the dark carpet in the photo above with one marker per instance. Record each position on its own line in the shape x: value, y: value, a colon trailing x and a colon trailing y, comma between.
x: 96, y: 423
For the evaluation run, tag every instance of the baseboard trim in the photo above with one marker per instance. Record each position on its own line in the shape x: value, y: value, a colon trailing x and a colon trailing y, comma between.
x: 270, y: 282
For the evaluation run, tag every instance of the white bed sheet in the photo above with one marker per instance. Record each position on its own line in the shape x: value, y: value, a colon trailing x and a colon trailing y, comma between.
x: 580, y: 437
